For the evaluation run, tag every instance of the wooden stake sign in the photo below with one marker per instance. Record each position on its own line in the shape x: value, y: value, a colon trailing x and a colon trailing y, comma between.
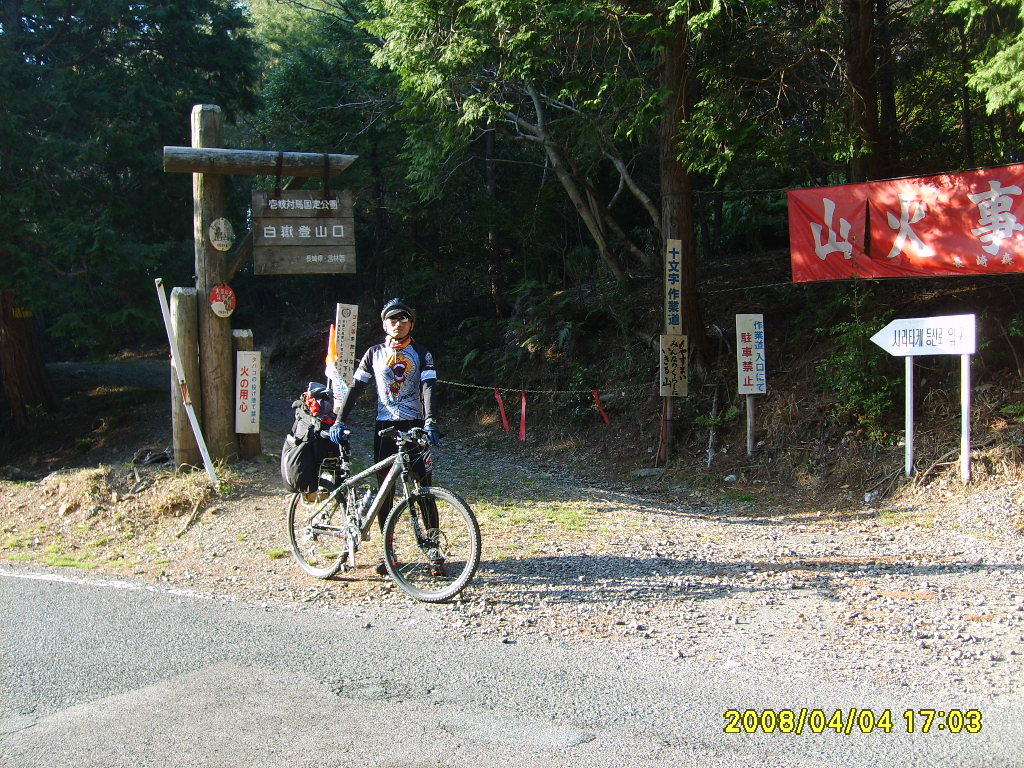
x: 673, y: 368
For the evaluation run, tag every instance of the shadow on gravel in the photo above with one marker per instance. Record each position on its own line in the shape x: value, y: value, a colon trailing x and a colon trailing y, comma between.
x: 606, y: 578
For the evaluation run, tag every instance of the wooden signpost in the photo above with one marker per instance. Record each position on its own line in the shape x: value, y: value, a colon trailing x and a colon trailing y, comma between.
x: 303, y: 232
x: 673, y: 372
x: 215, y: 265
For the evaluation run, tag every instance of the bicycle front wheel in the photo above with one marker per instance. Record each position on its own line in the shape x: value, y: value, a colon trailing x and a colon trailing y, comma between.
x: 432, y: 544
x: 314, y: 537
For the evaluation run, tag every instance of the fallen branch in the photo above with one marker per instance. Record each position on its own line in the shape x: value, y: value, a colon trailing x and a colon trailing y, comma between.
x: 191, y: 520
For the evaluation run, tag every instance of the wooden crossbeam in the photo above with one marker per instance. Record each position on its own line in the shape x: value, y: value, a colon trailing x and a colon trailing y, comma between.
x: 245, y: 161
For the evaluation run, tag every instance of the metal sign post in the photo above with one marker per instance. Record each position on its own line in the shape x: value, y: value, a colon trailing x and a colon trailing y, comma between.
x: 945, y: 335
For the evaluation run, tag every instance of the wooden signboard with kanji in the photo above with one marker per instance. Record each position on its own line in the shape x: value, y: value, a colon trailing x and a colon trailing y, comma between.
x: 303, y: 232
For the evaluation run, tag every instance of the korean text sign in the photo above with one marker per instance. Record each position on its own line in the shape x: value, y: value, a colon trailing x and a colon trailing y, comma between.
x: 912, y: 336
x: 951, y: 224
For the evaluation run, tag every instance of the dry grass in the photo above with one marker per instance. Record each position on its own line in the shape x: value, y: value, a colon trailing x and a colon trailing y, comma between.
x: 97, y: 516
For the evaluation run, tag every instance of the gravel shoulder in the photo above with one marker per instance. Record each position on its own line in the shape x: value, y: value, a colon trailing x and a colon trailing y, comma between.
x: 925, y: 592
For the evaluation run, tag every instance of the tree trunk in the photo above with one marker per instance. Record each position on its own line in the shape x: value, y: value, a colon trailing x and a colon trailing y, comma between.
x: 861, y: 72
x: 493, y: 257
x: 217, y: 371
x: 677, y: 199
x: 22, y: 373
x: 888, y: 128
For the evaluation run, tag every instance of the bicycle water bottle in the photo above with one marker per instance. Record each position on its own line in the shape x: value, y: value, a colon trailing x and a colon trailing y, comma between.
x: 365, y: 503
x: 326, y: 480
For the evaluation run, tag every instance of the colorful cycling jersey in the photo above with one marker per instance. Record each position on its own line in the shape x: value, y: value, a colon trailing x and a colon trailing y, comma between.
x: 399, y: 374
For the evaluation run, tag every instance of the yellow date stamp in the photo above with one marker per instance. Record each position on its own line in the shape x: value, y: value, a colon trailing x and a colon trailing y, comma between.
x: 852, y: 720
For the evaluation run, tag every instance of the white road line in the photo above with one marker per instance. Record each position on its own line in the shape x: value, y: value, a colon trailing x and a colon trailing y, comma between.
x: 94, y: 582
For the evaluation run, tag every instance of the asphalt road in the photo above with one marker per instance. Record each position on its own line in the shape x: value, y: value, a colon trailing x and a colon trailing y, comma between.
x: 110, y: 673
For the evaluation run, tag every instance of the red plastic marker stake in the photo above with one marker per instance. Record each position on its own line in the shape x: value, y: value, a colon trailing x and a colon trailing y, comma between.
x: 522, y: 419
x: 501, y: 405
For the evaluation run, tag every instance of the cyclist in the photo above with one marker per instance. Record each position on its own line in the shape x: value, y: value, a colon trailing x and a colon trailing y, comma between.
x: 404, y: 374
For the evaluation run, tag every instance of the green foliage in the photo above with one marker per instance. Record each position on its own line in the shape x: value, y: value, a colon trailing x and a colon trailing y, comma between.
x: 856, y: 369
x: 570, y: 86
x: 999, y: 70
x: 720, y: 419
x: 92, y: 92
x: 1016, y: 326
x: 1015, y: 411
x: 463, y: 114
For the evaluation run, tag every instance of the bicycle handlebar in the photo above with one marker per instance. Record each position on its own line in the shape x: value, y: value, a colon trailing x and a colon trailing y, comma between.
x: 326, y: 434
x: 413, y: 435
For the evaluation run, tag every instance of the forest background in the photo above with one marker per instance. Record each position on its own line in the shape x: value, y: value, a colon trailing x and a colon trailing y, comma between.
x: 520, y: 166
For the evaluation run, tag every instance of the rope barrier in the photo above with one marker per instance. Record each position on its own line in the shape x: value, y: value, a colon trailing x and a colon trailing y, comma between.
x: 520, y: 389
x: 523, y: 392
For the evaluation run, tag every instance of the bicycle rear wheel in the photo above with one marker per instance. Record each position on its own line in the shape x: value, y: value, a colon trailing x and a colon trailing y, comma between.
x: 432, y: 544
x: 319, y: 550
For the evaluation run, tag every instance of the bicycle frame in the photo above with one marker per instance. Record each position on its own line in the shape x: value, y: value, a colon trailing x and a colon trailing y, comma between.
x: 431, y: 539
x: 399, y: 467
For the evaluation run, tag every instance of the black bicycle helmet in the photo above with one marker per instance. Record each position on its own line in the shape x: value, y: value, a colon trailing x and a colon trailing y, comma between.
x: 397, y: 307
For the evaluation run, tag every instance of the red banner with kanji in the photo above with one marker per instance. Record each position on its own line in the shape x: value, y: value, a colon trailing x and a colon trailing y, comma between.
x: 931, y: 226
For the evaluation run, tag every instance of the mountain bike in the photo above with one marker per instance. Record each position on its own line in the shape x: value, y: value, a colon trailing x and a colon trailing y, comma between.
x: 431, y: 536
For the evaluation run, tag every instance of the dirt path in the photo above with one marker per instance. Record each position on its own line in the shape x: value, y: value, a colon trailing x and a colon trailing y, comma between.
x: 927, y: 593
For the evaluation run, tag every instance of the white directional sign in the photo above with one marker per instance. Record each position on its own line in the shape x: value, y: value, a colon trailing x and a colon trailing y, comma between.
x: 945, y: 335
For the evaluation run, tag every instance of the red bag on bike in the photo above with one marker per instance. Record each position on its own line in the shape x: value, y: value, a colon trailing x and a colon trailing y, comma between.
x: 305, y: 447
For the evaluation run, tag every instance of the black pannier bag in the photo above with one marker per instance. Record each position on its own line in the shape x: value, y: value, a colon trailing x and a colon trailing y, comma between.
x: 304, y: 448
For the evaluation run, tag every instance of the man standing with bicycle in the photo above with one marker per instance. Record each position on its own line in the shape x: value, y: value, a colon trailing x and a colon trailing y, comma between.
x: 404, y: 375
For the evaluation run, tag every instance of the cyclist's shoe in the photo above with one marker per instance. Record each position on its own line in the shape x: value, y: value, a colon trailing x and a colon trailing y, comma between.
x: 382, y: 569
x: 437, y: 568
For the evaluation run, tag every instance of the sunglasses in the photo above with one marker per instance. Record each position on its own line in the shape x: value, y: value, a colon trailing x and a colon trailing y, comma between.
x: 399, y: 318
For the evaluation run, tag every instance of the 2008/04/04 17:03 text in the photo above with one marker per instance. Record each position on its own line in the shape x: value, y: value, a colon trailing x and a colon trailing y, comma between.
x: 854, y: 719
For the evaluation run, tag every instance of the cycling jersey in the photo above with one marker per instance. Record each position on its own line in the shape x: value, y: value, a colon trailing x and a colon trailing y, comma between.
x: 404, y: 375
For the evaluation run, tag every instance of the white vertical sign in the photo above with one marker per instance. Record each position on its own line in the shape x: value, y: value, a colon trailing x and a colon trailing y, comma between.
x: 247, y: 392
x: 346, y: 317
x: 750, y: 355
x: 673, y: 287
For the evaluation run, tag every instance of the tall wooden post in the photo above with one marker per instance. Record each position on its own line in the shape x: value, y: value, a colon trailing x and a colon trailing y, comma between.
x: 23, y: 377
x: 217, y: 370
x: 213, y: 393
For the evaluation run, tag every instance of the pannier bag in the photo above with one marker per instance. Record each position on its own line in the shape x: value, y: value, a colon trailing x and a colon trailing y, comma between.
x: 304, y: 448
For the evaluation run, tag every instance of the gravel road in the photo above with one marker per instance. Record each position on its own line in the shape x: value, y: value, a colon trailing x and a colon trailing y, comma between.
x: 920, y: 600
x: 109, y: 673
